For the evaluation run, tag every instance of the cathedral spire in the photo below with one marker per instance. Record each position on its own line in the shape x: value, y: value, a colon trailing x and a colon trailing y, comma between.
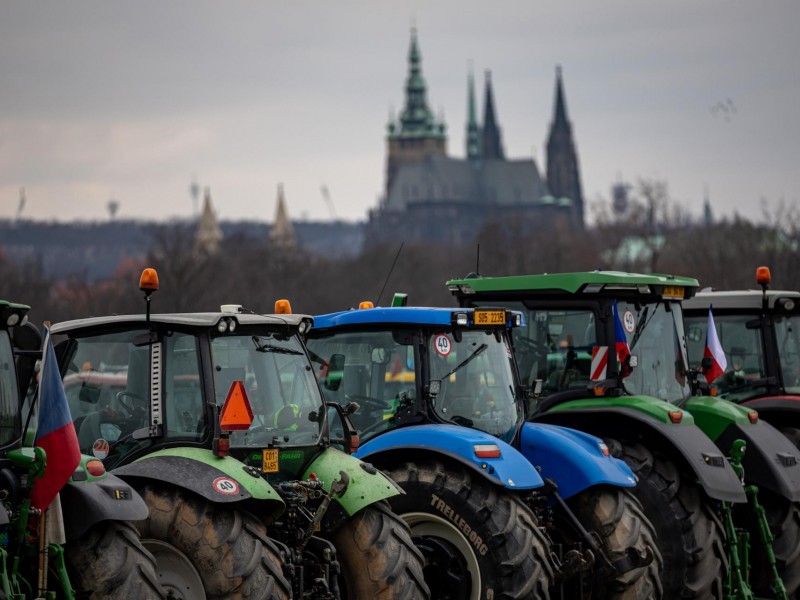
x: 208, y: 234
x: 416, y: 118
x: 282, y: 233
x: 473, y: 130
x: 492, y: 144
x: 560, y: 110
x: 563, y: 174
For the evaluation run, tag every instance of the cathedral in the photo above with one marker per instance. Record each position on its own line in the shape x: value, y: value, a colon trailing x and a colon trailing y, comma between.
x: 433, y: 197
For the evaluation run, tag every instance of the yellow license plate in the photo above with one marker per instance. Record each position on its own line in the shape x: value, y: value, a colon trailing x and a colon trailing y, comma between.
x: 673, y: 292
x: 269, y: 461
x: 490, y: 317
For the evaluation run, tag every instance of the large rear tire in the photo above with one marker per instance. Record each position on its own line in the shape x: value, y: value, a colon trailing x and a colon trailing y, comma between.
x: 208, y: 551
x: 109, y: 562
x: 620, y: 523
x: 688, y: 532
x: 378, y: 557
x: 479, y: 540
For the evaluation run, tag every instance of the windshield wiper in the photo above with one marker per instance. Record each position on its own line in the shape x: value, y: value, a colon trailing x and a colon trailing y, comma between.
x: 466, y: 361
x: 262, y: 347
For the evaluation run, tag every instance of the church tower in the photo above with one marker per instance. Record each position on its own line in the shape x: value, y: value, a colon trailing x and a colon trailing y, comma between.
x: 492, y: 143
x: 563, y: 175
x: 417, y: 134
x: 282, y: 233
x: 208, y: 235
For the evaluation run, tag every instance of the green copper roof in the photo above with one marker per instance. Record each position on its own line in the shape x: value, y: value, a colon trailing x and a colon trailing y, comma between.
x: 570, y: 282
x: 416, y: 119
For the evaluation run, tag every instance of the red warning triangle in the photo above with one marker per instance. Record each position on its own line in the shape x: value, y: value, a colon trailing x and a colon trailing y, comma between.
x: 236, y: 412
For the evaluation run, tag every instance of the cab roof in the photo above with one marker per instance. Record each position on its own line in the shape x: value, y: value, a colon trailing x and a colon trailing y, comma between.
x: 565, y: 282
x: 406, y: 315
x: 736, y: 299
x: 197, y: 320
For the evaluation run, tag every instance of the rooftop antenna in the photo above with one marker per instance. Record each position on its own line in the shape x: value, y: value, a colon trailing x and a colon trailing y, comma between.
x: 378, y: 301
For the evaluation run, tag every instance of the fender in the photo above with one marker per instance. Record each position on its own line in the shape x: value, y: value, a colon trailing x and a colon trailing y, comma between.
x: 770, y: 460
x: 107, y: 498
x: 511, y: 469
x: 222, y: 480
x: 574, y: 460
x: 367, y: 484
x: 685, y: 442
x: 769, y: 403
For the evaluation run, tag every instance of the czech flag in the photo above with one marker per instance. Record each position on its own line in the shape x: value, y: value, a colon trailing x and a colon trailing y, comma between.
x: 55, y: 433
x: 621, y: 344
x: 718, y: 363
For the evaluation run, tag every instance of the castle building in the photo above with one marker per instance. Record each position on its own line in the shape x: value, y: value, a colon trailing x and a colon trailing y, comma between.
x: 433, y: 197
x: 208, y: 234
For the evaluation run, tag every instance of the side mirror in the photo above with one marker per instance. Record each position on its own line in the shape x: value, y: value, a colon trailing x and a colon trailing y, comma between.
x: 333, y: 378
x: 350, y: 439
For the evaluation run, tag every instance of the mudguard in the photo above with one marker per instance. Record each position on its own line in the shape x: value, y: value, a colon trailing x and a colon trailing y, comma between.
x: 773, y: 403
x: 367, y: 484
x: 684, y: 441
x: 770, y: 460
x: 222, y: 480
x: 574, y: 460
x: 511, y: 469
x: 107, y: 498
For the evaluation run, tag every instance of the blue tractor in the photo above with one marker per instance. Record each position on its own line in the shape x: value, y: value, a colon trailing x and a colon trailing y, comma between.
x: 440, y: 410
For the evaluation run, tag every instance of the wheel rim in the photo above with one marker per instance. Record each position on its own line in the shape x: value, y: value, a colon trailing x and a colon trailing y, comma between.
x: 176, y: 573
x: 452, y: 570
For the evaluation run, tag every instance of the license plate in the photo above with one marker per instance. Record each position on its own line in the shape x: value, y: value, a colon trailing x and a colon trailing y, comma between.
x: 673, y: 292
x: 490, y: 317
x: 269, y: 461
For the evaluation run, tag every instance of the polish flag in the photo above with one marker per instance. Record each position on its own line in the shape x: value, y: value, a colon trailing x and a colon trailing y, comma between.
x: 713, y: 351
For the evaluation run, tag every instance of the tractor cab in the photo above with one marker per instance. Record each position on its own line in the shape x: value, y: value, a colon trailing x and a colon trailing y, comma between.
x: 404, y: 365
x: 618, y: 333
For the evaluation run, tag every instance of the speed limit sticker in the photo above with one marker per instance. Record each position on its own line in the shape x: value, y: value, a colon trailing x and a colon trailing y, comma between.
x: 629, y: 321
x: 226, y: 486
x: 442, y: 344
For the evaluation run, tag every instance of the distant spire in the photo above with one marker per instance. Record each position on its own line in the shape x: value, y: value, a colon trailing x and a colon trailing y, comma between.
x: 282, y: 232
x: 473, y: 130
x: 708, y: 214
x: 492, y: 143
x: 563, y: 173
x: 208, y: 236
x: 560, y: 112
x: 416, y: 118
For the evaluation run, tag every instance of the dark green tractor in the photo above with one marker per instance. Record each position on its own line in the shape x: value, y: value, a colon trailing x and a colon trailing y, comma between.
x: 217, y: 420
x: 605, y: 352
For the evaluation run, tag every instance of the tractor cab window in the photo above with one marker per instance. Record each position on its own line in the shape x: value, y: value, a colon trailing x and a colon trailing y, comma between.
x: 279, y: 383
x: 374, y: 369
x: 9, y: 393
x: 475, y: 381
x: 787, y: 334
x: 108, y: 384
x: 743, y: 353
x: 656, y: 343
x: 555, y: 348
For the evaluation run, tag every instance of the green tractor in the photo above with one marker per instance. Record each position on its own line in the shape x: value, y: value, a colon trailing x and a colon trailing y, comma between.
x: 217, y: 420
x: 605, y: 352
x: 65, y: 528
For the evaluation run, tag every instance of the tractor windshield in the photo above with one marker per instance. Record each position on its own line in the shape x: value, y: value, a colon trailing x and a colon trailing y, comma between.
x: 9, y: 393
x: 374, y: 369
x: 787, y: 334
x: 744, y: 352
x: 279, y: 382
x: 476, y: 381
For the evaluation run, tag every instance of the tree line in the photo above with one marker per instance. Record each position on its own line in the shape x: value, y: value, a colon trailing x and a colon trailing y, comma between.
x: 650, y: 234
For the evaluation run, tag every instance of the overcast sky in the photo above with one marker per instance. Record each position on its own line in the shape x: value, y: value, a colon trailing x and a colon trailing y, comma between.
x: 134, y: 100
